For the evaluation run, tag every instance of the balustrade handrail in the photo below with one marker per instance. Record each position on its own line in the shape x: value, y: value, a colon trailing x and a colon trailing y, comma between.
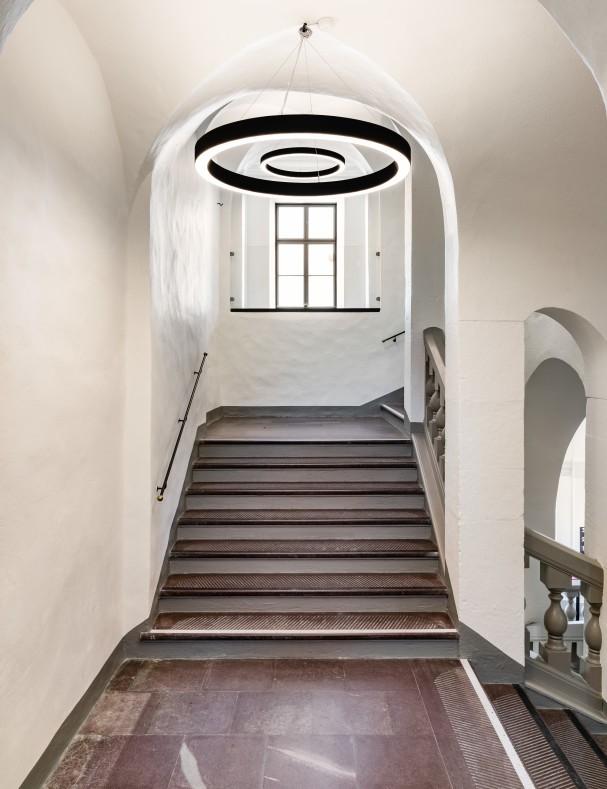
x: 161, y: 488
x: 564, y: 559
x: 433, y: 343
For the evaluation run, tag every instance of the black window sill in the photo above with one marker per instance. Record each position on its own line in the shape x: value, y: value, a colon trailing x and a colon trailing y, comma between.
x: 305, y: 309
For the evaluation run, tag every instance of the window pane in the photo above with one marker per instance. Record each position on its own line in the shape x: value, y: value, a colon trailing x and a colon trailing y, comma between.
x: 321, y: 221
x: 320, y: 292
x: 320, y: 259
x: 290, y: 292
x: 290, y: 221
x: 290, y: 259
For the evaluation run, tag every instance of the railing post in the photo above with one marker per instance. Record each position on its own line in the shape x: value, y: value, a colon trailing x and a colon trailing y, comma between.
x: 554, y: 652
x: 590, y: 664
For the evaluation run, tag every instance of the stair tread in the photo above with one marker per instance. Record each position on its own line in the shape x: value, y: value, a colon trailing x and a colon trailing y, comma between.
x: 303, y: 583
x: 303, y: 441
x: 316, y: 516
x: 311, y: 488
x: 304, y: 625
x: 585, y: 755
x: 306, y: 462
x: 304, y: 548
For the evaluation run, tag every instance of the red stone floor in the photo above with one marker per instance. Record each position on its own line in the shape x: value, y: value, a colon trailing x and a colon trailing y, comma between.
x: 243, y: 724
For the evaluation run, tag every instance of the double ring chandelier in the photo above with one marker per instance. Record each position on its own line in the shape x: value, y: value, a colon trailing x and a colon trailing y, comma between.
x: 302, y: 137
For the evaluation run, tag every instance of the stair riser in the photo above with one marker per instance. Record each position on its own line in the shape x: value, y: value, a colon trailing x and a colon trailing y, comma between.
x: 297, y: 501
x: 304, y: 475
x: 329, y: 532
x: 242, y: 603
x: 323, y: 565
x: 252, y: 648
x: 304, y: 450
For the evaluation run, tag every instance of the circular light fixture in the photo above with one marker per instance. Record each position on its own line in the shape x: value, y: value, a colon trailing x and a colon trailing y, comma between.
x: 315, y: 154
x: 322, y: 128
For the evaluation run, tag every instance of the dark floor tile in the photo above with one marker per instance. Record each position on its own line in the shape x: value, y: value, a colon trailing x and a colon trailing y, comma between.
x: 400, y: 763
x: 351, y: 713
x: 208, y: 712
x: 309, y: 762
x: 408, y: 712
x: 116, y: 713
x: 309, y: 675
x: 273, y: 713
x: 240, y: 675
x: 177, y: 675
x: 128, y: 671
x: 388, y: 675
x: 144, y: 763
x: 87, y: 763
x: 224, y: 762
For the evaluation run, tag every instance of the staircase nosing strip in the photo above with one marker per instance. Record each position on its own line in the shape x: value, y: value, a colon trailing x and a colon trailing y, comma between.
x: 549, y: 737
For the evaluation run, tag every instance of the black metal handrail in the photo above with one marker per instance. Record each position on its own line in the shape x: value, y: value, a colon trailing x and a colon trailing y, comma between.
x: 161, y: 489
x: 393, y: 336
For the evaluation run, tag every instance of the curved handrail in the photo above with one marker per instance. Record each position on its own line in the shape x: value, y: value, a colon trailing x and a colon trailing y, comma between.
x: 161, y: 488
x: 562, y: 558
x: 433, y: 342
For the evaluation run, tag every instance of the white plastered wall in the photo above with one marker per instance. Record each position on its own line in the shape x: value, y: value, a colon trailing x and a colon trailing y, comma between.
x: 62, y: 227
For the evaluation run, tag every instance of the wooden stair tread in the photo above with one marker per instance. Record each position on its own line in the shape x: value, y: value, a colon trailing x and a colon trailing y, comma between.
x: 305, y: 488
x: 304, y: 548
x: 303, y: 517
x: 181, y: 584
x: 305, y: 462
x: 272, y: 625
x: 303, y: 441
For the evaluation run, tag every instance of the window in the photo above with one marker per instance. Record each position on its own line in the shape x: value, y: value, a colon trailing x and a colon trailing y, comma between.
x: 306, y: 248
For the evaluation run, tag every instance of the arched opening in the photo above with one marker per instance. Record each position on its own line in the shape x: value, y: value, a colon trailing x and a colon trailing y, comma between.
x: 571, y: 493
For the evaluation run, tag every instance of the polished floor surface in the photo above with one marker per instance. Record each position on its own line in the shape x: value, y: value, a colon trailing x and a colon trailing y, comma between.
x: 245, y: 724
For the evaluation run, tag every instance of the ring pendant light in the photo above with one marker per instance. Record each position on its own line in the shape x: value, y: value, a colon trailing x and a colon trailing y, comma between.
x: 308, y: 130
x: 313, y: 153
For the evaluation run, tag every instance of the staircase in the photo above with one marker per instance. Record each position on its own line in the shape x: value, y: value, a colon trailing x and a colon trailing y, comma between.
x: 556, y: 749
x: 310, y: 539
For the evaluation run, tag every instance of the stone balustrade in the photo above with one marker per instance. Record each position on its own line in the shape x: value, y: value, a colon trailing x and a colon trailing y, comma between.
x: 434, y: 415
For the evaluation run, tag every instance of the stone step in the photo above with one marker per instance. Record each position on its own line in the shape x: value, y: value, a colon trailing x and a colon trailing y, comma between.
x: 293, y: 625
x: 392, y: 447
x: 282, y: 548
x: 587, y: 758
x: 316, y: 584
x: 270, y: 530
x: 324, y: 564
x: 304, y: 501
x: 304, y: 473
x: 354, y: 461
x: 307, y: 488
x: 303, y: 517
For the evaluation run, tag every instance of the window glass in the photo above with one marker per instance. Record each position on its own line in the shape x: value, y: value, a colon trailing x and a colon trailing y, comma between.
x: 320, y: 259
x: 291, y: 259
x: 290, y: 221
x: 321, y: 221
x: 320, y: 292
x: 290, y: 292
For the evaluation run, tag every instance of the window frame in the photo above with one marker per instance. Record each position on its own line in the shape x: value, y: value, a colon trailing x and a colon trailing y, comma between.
x: 305, y: 242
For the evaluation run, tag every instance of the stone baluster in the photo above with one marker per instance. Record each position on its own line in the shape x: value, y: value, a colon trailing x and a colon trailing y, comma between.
x: 570, y: 612
x: 554, y: 652
x: 439, y: 441
x: 590, y: 664
x: 430, y: 388
x: 433, y: 407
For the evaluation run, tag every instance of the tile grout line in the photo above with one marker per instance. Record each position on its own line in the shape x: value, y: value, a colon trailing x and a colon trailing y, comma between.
x: 515, y: 760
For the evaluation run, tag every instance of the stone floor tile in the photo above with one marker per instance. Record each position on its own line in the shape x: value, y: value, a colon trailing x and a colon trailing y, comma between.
x: 145, y: 762
x: 400, y: 763
x: 116, y: 713
x: 128, y: 671
x: 178, y: 675
x: 390, y: 675
x: 310, y: 762
x: 309, y: 675
x: 208, y: 712
x: 87, y: 763
x: 220, y: 762
x: 408, y: 712
x: 240, y: 675
x: 351, y: 713
x: 273, y: 713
